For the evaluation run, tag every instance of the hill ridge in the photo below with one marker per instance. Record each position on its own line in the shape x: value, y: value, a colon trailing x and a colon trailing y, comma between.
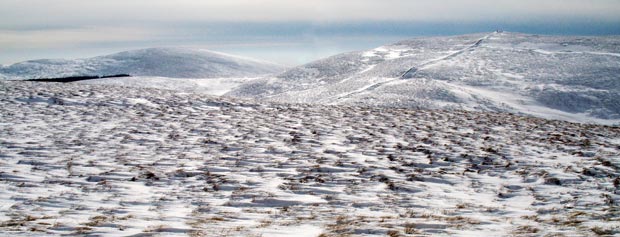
x: 174, y: 62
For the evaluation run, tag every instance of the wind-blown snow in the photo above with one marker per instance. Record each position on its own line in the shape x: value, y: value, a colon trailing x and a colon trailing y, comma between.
x: 559, y: 77
x: 154, y: 62
x: 106, y: 160
x: 210, y: 86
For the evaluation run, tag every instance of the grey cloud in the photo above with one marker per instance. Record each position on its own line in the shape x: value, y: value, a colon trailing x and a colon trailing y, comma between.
x: 44, y: 28
x: 28, y: 12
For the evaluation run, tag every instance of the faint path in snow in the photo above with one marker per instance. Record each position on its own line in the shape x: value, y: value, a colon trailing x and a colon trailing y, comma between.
x: 412, y: 71
x: 361, y: 72
x: 363, y: 89
x: 370, y: 67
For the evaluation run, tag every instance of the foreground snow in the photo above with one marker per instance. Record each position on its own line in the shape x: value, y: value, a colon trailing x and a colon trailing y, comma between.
x: 107, y: 161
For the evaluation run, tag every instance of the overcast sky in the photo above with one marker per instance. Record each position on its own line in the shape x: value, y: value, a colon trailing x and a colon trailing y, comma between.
x: 285, y: 31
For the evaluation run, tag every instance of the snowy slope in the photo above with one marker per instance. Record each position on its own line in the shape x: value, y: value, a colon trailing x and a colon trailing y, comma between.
x: 211, y: 86
x: 101, y: 160
x: 159, y: 62
x: 559, y: 77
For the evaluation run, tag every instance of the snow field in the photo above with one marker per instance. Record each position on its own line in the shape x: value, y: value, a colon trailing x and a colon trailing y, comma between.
x: 78, y: 159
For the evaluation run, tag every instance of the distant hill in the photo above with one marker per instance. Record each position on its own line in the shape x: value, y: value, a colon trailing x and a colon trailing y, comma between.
x: 560, y: 77
x: 159, y: 62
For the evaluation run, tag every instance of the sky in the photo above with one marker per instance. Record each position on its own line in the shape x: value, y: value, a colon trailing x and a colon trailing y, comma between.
x: 289, y: 32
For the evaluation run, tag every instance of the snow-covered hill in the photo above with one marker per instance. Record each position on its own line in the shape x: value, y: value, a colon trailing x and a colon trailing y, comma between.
x: 560, y: 77
x: 158, y: 62
x: 102, y: 160
x: 557, y: 77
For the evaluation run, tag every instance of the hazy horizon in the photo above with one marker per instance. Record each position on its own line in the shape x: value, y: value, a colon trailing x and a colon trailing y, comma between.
x: 285, y: 32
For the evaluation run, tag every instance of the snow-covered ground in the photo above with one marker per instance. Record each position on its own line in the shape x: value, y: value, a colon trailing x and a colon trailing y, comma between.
x: 210, y: 86
x: 108, y: 160
x: 152, y: 62
x: 559, y: 77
